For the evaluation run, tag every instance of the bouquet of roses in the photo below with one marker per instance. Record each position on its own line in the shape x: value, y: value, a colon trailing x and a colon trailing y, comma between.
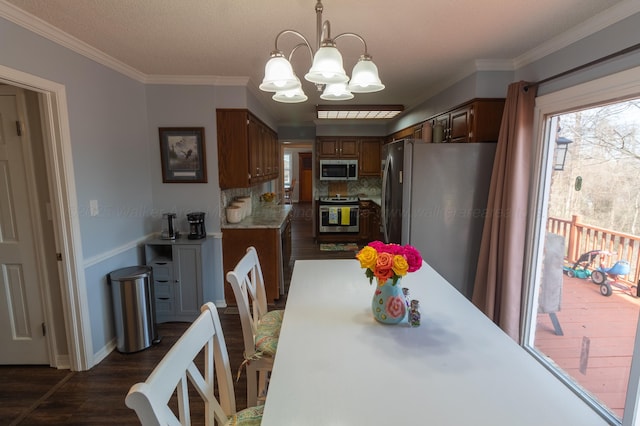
x: 388, y: 261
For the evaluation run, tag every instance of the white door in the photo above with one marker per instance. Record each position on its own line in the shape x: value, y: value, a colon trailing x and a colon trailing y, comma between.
x: 21, y: 313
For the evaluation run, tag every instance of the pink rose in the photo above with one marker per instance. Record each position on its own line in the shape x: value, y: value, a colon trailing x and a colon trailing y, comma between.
x: 377, y: 245
x: 414, y: 259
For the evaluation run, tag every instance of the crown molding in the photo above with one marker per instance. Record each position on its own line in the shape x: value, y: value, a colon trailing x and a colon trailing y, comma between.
x: 48, y: 31
x: 19, y: 17
x: 591, y: 26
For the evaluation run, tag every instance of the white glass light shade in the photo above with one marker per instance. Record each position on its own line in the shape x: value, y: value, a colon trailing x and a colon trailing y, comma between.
x: 278, y: 75
x: 327, y: 67
x: 364, y: 78
x: 292, y: 96
x: 336, y: 92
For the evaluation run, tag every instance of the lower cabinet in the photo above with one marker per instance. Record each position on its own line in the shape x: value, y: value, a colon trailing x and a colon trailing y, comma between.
x: 369, y: 221
x: 274, y: 250
x: 182, y: 277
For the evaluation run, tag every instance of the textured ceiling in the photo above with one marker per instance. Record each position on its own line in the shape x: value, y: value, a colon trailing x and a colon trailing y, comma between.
x: 419, y: 46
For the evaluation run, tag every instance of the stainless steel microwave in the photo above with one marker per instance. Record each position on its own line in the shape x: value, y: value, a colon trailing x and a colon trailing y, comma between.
x: 338, y: 169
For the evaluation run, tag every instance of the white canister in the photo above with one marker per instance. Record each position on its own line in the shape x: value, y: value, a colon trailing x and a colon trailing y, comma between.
x: 234, y: 214
x: 240, y: 206
x: 247, y: 204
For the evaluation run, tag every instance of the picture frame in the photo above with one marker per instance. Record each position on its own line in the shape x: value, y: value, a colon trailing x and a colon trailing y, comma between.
x: 183, y: 155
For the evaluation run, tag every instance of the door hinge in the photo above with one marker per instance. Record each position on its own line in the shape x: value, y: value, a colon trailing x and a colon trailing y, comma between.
x: 18, y: 128
x: 59, y: 257
x: 44, y: 329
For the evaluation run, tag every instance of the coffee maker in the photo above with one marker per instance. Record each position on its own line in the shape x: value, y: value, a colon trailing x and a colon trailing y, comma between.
x: 169, y: 227
x: 196, y: 226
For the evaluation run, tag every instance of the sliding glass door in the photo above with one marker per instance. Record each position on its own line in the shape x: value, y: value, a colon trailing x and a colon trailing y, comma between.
x: 584, y: 248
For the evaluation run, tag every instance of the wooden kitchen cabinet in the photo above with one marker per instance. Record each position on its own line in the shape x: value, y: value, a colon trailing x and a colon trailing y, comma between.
x: 274, y: 251
x: 337, y: 147
x: 247, y: 149
x: 182, y: 277
x: 369, y: 158
x: 369, y: 221
x: 365, y: 149
x: 476, y: 121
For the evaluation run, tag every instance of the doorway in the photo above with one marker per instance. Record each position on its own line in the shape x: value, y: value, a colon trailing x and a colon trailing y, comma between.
x: 72, y: 347
x: 305, y: 170
x: 22, y: 335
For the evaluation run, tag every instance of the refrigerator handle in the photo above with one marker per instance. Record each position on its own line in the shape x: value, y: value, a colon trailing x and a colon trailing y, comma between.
x: 383, y: 201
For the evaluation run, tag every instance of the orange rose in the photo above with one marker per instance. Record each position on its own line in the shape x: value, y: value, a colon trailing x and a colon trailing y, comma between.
x: 384, y: 265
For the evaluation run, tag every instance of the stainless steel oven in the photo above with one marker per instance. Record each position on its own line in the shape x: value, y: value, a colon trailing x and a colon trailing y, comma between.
x: 339, y: 214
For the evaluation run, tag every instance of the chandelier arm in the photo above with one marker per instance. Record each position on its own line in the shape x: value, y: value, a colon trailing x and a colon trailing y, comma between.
x: 356, y: 36
x: 283, y: 32
x: 301, y: 45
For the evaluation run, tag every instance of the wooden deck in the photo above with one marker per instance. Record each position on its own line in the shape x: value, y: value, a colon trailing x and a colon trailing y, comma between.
x: 597, y: 345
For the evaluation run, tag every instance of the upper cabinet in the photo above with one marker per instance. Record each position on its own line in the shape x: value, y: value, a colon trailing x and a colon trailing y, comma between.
x: 247, y: 149
x: 337, y: 147
x: 369, y: 158
x: 456, y: 125
x: 475, y: 121
x: 365, y: 149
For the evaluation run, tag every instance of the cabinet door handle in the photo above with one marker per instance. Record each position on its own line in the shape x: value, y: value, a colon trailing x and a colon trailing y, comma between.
x: 161, y: 263
x: 163, y: 281
x: 164, y: 298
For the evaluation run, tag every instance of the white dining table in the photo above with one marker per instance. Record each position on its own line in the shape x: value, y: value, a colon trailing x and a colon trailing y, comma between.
x: 336, y: 366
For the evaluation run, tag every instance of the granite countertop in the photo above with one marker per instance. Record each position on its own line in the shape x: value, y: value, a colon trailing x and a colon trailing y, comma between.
x: 264, y: 215
x: 374, y: 198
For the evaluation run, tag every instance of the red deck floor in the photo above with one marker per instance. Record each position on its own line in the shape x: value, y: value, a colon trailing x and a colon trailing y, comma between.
x: 601, y: 329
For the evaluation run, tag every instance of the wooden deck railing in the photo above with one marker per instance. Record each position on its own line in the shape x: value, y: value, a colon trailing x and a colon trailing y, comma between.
x: 581, y: 238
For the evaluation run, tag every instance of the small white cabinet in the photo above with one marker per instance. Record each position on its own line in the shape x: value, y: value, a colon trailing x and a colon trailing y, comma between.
x: 182, y: 277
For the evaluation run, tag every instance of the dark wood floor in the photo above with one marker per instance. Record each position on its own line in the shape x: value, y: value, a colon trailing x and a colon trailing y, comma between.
x: 34, y: 395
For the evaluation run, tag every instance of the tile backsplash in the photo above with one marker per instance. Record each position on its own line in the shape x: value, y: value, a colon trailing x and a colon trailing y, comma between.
x: 368, y: 186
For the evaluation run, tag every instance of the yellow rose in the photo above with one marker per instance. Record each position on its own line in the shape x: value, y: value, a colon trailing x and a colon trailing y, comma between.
x: 367, y: 257
x: 400, y: 265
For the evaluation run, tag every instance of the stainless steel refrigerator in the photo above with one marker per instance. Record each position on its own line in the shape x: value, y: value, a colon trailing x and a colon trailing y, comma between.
x: 434, y: 197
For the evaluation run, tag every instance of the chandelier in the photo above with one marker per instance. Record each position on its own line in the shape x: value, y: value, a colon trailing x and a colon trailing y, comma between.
x: 326, y: 72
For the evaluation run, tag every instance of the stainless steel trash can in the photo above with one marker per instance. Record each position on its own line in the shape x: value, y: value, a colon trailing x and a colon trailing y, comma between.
x: 133, y: 308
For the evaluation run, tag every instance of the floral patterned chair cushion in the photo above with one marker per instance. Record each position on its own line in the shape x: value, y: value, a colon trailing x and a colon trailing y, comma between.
x: 268, y: 332
x: 251, y: 416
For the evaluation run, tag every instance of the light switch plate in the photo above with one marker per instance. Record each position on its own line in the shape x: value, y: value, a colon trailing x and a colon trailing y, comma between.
x: 93, y: 207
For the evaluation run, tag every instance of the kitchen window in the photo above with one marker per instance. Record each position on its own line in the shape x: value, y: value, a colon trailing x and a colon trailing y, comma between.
x: 613, y: 101
x: 287, y: 169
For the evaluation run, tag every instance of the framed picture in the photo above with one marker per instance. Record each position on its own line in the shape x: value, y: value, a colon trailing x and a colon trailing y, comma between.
x: 183, y: 155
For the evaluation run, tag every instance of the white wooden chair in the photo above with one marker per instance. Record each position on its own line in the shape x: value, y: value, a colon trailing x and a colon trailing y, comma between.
x: 150, y: 399
x: 260, y: 328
